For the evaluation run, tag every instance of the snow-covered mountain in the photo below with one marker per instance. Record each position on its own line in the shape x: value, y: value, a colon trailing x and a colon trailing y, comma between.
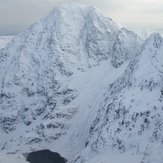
x: 78, y: 84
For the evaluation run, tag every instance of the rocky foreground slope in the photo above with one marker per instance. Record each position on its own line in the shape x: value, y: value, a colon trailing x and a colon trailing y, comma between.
x: 78, y: 84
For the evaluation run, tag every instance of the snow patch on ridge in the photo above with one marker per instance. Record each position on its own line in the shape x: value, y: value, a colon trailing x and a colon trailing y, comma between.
x: 4, y: 40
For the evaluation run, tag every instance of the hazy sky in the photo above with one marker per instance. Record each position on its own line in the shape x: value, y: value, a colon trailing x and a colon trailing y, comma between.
x: 17, y: 15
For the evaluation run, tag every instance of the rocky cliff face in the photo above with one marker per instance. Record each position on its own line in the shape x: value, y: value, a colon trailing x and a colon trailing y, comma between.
x: 77, y: 83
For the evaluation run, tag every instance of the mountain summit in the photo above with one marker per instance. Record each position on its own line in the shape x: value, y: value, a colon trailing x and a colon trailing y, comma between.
x: 78, y: 84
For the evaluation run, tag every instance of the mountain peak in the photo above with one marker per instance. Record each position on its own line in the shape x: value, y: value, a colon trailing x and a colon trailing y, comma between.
x: 158, y: 40
x: 74, y: 6
x: 155, y: 39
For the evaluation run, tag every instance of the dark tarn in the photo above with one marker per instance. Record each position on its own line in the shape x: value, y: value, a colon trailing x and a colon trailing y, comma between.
x: 45, y: 156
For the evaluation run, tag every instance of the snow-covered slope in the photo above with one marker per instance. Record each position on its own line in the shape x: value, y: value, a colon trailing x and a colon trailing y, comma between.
x: 130, y: 118
x: 78, y: 84
x: 10, y: 158
x: 4, y: 40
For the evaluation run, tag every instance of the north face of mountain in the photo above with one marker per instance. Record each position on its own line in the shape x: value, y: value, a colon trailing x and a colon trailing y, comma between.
x: 39, y: 63
x: 78, y: 84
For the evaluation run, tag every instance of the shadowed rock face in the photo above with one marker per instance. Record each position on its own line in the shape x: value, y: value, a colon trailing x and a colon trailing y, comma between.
x: 46, y: 155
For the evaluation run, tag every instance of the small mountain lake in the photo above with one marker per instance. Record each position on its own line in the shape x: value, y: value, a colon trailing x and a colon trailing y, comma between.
x: 45, y: 156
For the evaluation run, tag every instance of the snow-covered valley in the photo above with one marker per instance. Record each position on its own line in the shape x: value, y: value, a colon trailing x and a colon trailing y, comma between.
x: 78, y: 84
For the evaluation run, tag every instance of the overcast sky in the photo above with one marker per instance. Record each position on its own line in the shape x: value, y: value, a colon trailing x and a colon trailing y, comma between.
x: 17, y: 15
